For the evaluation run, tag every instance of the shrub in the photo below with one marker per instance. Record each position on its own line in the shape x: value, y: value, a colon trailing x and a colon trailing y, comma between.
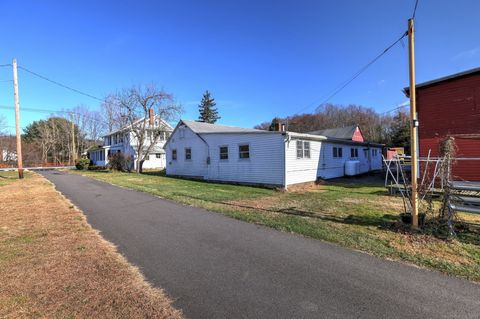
x: 82, y: 163
x: 120, y: 162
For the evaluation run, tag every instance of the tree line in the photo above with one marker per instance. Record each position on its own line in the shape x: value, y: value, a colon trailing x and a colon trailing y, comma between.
x: 67, y: 134
x: 387, y: 128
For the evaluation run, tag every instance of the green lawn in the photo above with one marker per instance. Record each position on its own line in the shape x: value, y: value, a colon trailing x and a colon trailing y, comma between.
x: 353, y: 216
x: 7, y: 177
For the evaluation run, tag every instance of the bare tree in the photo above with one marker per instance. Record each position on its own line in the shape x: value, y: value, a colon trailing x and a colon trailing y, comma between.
x: 111, y: 113
x: 90, y: 126
x: 3, y: 124
x: 135, y: 105
x: 376, y: 127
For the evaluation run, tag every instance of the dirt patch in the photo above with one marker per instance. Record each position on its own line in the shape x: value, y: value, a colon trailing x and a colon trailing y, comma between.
x: 384, y: 202
x: 54, y: 265
x: 432, y: 247
x: 307, y: 187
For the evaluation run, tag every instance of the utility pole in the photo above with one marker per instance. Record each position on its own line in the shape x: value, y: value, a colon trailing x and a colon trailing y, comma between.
x: 413, y: 123
x: 74, y: 157
x: 17, y: 120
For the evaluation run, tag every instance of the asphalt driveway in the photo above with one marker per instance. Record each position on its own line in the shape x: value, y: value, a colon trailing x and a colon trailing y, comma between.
x: 217, y: 267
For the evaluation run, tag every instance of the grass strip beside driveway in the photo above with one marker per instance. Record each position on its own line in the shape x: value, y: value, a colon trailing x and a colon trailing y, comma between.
x: 54, y: 265
x: 354, y: 216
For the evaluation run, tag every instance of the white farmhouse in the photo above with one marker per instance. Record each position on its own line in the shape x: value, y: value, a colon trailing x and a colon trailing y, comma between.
x: 270, y: 158
x: 124, y: 141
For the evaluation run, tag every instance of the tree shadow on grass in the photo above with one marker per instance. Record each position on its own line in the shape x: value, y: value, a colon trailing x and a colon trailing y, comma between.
x: 161, y: 173
x: 378, y: 221
x: 388, y: 222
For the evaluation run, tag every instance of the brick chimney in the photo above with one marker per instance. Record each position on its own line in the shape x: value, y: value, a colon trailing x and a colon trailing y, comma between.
x: 151, y: 116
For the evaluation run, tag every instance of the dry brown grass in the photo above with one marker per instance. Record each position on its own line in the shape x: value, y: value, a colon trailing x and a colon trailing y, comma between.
x: 54, y: 265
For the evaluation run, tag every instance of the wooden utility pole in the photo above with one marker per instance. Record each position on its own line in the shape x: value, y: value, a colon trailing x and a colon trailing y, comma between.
x: 74, y: 153
x: 413, y: 123
x: 17, y: 120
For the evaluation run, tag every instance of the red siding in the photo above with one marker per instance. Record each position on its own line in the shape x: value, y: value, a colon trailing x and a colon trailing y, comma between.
x: 452, y: 108
x: 357, y: 136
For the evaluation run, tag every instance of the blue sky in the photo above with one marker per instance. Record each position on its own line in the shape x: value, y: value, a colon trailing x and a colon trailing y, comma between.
x: 259, y: 59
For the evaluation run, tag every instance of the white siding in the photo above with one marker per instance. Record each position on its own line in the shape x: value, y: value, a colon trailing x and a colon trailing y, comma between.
x: 265, y: 165
x: 301, y: 170
x: 154, y: 162
x: 331, y: 167
x: 377, y: 162
x: 197, y: 166
x: 273, y: 161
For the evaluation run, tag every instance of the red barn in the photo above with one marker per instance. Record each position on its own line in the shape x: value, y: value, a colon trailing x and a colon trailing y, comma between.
x: 450, y: 106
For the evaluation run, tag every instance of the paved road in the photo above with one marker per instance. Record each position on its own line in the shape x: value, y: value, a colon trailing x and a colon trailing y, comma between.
x: 217, y: 267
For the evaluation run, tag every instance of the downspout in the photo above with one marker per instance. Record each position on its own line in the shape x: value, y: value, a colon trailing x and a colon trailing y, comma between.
x: 285, y: 141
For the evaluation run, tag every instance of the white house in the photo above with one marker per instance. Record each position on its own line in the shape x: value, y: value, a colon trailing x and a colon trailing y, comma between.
x: 124, y: 141
x: 271, y: 158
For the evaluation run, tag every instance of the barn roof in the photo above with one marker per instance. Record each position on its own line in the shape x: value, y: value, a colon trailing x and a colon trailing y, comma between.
x: 344, y: 133
x: 206, y: 128
x: 442, y: 79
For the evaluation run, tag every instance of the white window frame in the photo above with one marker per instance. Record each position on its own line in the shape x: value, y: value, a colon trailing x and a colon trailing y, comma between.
x: 354, y: 150
x: 337, y: 152
x: 240, y: 152
x: 190, y: 153
x: 220, y: 152
x: 303, y: 149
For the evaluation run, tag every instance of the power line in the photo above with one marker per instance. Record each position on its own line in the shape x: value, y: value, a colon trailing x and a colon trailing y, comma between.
x: 51, y: 111
x: 5, y: 65
x: 60, y: 84
x: 344, y: 84
x: 415, y: 9
x: 394, y: 109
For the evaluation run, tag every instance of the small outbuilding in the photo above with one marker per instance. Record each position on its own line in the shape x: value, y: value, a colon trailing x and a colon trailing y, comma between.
x: 269, y: 158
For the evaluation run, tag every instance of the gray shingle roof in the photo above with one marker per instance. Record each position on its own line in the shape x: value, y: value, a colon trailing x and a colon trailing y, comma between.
x: 344, y: 133
x: 206, y: 128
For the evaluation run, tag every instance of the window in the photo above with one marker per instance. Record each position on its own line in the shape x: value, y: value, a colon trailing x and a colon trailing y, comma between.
x: 374, y: 152
x: 303, y: 149
x: 188, y: 153
x: 174, y: 155
x: 306, y: 149
x: 244, y: 151
x: 147, y: 158
x: 337, y: 152
x: 353, y: 152
x: 158, y: 155
x: 223, y: 152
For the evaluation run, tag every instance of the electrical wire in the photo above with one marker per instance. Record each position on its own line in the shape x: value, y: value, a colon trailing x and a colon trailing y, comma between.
x: 415, y: 9
x: 394, y: 109
x: 344, y: 84
x: 60, y: 84
x: 51, y: 111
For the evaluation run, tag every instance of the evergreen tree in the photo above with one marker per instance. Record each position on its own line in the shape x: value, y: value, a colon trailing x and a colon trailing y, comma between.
x: 400, y: 131
x: 208, y: 111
